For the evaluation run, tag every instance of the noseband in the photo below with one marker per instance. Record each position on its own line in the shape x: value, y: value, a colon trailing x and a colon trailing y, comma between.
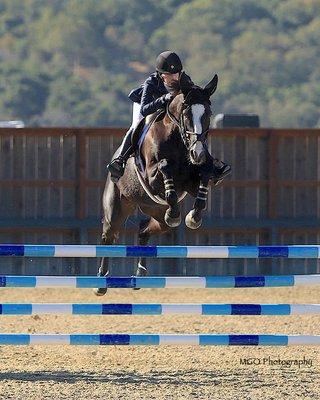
x: 186, y: 135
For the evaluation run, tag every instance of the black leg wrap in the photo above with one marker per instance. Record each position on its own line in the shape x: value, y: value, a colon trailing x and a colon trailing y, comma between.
x: 171, y: 198
x: 170, y: 193
x: 202, y: 196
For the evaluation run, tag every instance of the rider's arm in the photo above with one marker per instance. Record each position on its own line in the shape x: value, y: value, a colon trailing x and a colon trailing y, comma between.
x: 149, y: 105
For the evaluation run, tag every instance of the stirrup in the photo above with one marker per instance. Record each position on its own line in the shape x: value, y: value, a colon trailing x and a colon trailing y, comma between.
x: 225, y: 173
x: 116, y: 169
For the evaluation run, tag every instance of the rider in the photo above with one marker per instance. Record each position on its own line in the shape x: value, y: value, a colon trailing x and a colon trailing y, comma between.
x: 152, y: 95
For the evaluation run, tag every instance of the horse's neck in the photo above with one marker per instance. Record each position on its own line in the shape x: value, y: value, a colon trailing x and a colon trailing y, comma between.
x: 176, y: 106
x: 170, y: 128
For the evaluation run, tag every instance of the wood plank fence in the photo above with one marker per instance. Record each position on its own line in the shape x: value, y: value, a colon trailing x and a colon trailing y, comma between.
x: 51, y: 183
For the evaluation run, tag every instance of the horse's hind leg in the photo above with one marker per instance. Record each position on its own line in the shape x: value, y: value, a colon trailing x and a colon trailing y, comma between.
x: 147, y: 228
x: 143, y: 238
x: 116, y: 210
x: 109, y: 236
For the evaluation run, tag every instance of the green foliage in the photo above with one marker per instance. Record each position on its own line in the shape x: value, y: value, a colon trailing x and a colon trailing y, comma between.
x: 73, y: 62
x: 23, y: 94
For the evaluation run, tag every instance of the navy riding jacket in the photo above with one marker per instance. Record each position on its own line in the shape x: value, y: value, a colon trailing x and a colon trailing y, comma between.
x: 150, y: 94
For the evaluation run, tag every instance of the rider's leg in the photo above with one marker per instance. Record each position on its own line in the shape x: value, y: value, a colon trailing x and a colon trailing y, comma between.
x: 222, y: 169
x: 215, y: 168
x: 118, y: 164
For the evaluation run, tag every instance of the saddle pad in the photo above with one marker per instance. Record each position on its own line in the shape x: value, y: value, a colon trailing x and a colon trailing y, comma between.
x: 139, y: 160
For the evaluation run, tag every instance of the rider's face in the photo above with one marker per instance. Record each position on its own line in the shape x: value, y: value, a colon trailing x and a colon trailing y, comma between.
x: 170, y: 78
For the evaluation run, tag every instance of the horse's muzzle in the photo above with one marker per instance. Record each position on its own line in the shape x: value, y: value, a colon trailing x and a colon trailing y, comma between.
x: 198, y: 153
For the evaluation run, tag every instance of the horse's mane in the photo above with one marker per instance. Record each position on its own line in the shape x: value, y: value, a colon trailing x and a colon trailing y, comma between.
x: 196, y: 95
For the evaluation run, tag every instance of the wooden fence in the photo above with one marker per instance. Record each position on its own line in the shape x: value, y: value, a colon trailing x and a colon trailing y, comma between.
x: 51, y: 183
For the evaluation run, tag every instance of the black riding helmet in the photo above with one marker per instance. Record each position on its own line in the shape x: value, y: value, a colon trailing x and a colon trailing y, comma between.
x: 168, y: 62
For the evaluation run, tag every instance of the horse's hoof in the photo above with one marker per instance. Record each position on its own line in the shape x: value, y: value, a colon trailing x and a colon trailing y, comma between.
x: 191, y: 222
x: 172, y: 222
x: 100, y: 291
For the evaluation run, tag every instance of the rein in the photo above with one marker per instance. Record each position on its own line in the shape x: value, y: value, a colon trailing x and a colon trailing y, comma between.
x: 185, y: 134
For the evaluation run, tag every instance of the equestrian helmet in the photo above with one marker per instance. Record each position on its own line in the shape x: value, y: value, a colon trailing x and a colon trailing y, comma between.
x: 168, y: 62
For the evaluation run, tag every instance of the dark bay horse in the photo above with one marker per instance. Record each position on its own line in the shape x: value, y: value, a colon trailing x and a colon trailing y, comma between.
x: 177, y: 162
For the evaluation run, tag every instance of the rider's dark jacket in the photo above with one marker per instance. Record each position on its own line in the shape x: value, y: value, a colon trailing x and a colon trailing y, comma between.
x: 151, y: 95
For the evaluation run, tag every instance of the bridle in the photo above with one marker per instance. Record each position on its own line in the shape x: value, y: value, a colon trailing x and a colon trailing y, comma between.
x: 186, y: 135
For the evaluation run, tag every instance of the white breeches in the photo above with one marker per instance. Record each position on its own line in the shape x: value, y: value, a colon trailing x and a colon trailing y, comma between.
x: 136, y: 116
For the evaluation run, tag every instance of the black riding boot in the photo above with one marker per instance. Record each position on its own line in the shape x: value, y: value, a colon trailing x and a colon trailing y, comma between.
x: 215, y: 169
x: 118, y: 164
x: 221, y: 170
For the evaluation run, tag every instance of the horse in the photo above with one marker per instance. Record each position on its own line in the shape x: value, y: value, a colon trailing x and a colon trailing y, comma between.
x: 177, y: 162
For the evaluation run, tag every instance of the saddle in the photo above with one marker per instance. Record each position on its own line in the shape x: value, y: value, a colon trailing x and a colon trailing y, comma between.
x: 139, y: 134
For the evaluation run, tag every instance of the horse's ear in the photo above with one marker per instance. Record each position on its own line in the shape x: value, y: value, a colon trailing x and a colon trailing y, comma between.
x: 211, y: 87
x: 185, y: 83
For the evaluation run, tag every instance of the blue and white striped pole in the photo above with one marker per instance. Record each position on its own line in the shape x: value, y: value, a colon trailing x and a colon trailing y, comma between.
x: 156, y: 339
x: 160, y: 282
x: 158, y: 309
x: 305, y: 251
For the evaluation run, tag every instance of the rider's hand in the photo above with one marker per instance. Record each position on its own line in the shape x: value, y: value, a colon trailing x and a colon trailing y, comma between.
x: 167, y: 97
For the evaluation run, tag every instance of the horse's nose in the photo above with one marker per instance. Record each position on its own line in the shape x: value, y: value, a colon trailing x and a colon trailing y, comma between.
x: 198, y: 154
x: 202, y: 158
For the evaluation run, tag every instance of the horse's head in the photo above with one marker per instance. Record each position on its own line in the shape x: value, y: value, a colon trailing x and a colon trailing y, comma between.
x: 191, y: 111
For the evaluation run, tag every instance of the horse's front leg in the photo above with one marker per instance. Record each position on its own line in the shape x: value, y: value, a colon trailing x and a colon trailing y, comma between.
x: 172, y: 216
x: 194, y: 217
